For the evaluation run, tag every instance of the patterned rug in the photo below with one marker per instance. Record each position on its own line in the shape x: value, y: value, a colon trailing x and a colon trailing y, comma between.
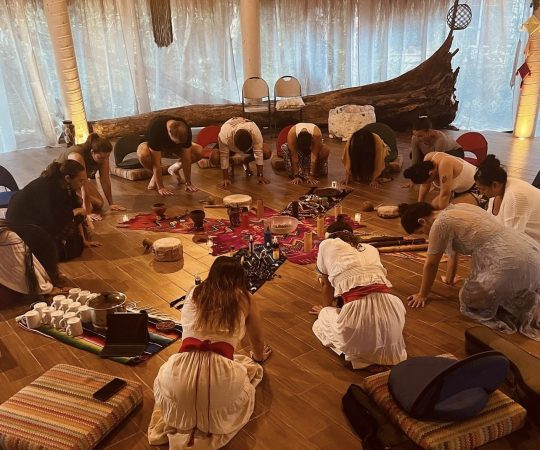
x: 225, y: 237
x: 292, y: 245
x: 182, y: 224
x: 93, y: 341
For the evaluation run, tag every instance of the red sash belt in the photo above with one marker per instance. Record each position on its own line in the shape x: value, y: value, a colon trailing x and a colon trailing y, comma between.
x: 190, y: 344
x: 361, y: 291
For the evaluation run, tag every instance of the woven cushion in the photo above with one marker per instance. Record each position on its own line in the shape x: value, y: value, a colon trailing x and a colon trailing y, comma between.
x: 135, y: 174
x: 57, y: 411
x: 277, y: 162
x: 500, y: 417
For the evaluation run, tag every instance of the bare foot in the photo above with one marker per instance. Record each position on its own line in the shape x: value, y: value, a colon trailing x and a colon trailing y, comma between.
x: 316, y: 310
x: 152, y: 184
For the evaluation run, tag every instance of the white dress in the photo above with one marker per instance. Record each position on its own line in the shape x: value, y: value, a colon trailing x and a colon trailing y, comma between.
x: 369, y: 330
x: 520, y: 208
x: 182, y: 386
x: 503, y: 288
x: 13, y: 252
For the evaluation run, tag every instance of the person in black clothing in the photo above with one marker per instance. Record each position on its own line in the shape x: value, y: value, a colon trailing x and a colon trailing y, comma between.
x: 48, y: 216
x: 170, y: 137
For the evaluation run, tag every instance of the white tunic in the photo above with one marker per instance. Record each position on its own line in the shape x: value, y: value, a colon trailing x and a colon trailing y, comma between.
x: 226, y: 140
x: 369, y: 330
x: 185, y: 382
x: 12, y: 265
x: 520, y: 208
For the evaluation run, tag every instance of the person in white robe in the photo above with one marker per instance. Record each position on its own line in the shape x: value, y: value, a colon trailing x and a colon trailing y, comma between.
x: 368, y: 329
x: 513, y: 202
x: 205, y: 393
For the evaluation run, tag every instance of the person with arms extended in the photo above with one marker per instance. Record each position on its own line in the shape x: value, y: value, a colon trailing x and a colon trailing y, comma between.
x: 502, y: 290
x: 240, y: 137
x: 170, y: 137
x: 305, y: 155
x: 205, y: 393
x: 453, y: 176
x: 368, y: 153
x: 93, y: 155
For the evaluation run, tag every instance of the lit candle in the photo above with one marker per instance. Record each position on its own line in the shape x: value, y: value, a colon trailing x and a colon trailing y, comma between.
x: 210, y: 244
x: 125, y: 218
x: 357, y: 217
x: 334, y: 184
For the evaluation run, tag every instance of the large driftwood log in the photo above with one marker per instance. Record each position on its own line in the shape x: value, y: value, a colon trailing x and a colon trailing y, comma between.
x: 428, y: 89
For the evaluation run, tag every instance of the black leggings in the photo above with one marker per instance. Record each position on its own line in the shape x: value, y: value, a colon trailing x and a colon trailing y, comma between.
x: 42, y: 245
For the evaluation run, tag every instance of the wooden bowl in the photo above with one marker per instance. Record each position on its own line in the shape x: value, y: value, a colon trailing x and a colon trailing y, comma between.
x: 282, y: 224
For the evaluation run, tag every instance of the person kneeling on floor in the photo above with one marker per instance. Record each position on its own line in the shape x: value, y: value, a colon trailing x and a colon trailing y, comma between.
x: 368, y: 329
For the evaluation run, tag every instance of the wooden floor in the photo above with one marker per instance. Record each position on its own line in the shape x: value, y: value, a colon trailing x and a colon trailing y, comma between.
x: 299, y: 401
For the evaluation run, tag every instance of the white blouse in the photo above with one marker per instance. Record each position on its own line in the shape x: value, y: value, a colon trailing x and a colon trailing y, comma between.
x: 520, y: 208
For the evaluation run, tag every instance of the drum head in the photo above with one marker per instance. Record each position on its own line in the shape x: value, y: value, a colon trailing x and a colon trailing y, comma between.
x: 167, y: 243
x: 237, y: 199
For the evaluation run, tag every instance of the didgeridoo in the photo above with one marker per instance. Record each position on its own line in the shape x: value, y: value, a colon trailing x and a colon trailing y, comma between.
x: 398, y: 242
x: 404, y: 248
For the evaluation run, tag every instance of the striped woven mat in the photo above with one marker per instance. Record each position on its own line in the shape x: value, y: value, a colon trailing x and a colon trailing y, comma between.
x: 93, y: 341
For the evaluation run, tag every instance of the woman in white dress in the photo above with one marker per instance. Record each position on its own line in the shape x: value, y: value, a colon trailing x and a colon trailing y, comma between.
x: 368, y: 329
x: 513, y: 202
x: 503, y: 288
x: 205, y: 393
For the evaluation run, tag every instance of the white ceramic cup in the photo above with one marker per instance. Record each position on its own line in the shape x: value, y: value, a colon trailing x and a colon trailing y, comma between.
x: 56, y: 317
x: 83, y: 297
x: 32, y: 319
x: 85, y: 313
x: 64, y: 304
x: 73, y: 307
x: 74, y: 293
x: 57, y: 299
x: 74, y: 326
x: 39, y: 307
x: 46, y: 314
x: 66, y: 317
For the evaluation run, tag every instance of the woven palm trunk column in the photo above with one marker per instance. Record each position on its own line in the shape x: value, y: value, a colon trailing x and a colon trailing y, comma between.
x: 529, y: 97
x: 251, y: 37
x: 56, y: 13
x: 161, y: 22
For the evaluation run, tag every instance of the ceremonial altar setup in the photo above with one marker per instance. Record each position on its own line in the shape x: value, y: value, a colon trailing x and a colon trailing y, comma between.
x: 299, y: 227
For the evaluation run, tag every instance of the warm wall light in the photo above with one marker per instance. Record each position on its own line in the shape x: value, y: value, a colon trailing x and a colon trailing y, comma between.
x: 529, y: 97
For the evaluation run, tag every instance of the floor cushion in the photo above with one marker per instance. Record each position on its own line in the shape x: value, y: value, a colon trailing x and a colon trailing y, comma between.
x: 277, y: 162
x: 57, y: 411
x: 136, y: 174
x: 500, y: 417
x: 525, y: 367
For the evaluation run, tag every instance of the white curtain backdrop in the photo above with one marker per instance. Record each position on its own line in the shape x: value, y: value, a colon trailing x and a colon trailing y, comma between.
x: 325, y: 43
x: 331, y: 45
x: 30, y: 108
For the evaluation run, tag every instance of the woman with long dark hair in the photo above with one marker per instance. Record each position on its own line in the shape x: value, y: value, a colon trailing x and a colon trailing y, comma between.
x: 93, y: 155
x: 368, y: 152
x: 513, y: 202
x: 503, y: 288
x: 48, y: 216
x: 452, y: 176
x: 206, y: 393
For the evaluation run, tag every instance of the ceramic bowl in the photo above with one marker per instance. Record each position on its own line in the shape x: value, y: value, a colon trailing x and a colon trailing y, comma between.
x: 282, y: 224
